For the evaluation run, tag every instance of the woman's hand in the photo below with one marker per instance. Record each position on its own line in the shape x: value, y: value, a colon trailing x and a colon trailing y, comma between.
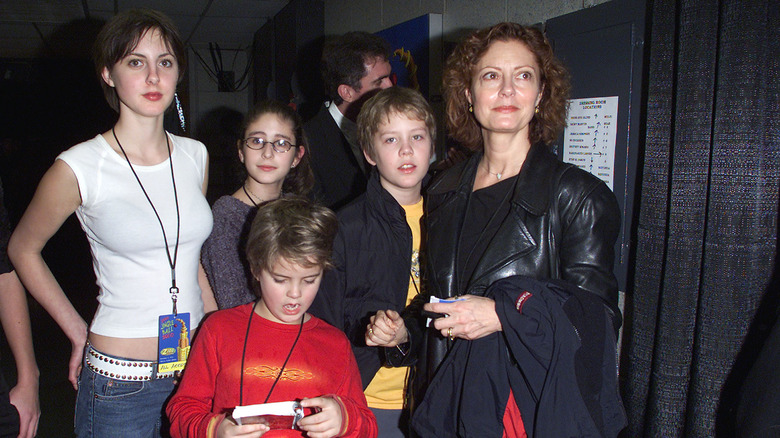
x: 77, y: 346
x: 228, y: 428
x: 471, y: 317
x: 25, y: 398
x: 15, y: 321
x: 386, y: 329
x: 326, y: 422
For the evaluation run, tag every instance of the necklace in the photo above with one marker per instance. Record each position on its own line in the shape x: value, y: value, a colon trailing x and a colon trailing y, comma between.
x: 247, y: 193
x: 497, y: 175
x: 171, y: 259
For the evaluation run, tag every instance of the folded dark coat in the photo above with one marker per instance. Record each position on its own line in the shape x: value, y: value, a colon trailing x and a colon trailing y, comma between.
x: 556, y: 354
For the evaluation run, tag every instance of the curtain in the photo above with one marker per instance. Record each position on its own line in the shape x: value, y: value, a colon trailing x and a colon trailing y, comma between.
x: 707, y: 226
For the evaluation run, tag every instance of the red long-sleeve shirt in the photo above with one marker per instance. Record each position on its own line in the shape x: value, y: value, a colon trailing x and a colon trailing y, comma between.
x: 321, y: 364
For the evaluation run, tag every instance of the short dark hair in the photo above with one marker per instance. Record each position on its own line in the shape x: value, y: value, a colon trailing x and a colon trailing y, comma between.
x: 398, y: 100
x: 344, y: 60
x: 551, y: 119
x: 120, y: 36
x: 293, y: 229
x: 300, y: 179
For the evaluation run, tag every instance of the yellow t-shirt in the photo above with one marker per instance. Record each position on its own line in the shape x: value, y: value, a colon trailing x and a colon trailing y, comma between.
x: 386, y: 390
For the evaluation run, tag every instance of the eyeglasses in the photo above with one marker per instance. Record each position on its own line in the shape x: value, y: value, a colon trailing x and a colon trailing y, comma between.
x: 258, y: 143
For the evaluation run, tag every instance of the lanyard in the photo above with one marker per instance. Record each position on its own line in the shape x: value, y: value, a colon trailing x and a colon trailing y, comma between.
x: 243, y: 356
x: 174, y: 291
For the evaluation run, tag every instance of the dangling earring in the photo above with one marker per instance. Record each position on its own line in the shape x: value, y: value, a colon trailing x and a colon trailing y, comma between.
x: 292, y: 167
x: 536, y: 111
x: 180, y: 111
x: 471, y: 108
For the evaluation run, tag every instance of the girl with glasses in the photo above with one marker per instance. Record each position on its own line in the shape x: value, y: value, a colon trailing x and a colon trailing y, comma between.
x: 273, y: 151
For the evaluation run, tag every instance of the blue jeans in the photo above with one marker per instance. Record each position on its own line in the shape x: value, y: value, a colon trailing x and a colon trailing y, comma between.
x: 107, y: 407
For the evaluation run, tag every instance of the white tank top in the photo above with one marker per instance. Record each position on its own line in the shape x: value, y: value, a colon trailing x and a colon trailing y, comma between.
x: 128, y: 250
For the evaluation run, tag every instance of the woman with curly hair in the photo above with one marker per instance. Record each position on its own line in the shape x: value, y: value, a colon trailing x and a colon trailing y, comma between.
x: 512, y: 209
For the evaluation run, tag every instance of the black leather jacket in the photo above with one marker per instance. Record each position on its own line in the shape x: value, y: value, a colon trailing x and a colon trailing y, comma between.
x: 563, y: 223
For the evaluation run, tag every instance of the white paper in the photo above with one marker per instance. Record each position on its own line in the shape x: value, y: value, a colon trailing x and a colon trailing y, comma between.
x: 590, y: 136
x: 278, y: 408
x: 434, y: 299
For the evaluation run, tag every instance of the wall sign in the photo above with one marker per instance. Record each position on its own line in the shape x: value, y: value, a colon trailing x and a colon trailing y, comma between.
x: 590, y: 135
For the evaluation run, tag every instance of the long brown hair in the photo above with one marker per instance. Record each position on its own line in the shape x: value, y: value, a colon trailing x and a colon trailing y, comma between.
x: 300, y: 179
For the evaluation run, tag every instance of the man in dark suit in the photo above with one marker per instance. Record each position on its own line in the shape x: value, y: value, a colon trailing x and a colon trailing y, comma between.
x: 354, y: 66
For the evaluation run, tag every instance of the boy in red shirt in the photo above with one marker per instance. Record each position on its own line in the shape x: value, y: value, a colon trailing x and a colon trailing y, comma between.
x: 272, y: 350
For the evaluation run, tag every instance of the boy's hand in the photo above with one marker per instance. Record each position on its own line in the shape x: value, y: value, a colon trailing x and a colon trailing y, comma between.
x: 228, y: 428
x: 386, y: 329
x: 326, y: 422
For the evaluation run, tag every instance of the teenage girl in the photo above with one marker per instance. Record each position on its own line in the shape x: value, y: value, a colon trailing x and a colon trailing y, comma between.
x: 138, y: 192
x: 273, y: 151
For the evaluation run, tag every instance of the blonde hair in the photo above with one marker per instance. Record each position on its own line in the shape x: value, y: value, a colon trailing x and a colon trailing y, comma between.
x: 392, y: 100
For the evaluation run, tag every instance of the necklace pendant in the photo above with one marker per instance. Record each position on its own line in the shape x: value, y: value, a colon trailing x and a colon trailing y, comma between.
x: 498, y: 175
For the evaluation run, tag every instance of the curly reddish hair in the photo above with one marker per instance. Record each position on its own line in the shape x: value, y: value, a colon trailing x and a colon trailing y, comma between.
x: 546, y: 125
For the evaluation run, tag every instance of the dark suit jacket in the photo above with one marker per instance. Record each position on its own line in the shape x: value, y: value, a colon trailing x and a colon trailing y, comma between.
x: 338, y: 176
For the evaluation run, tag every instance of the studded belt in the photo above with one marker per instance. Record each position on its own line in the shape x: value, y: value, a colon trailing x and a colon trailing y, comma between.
x: 122, y: 369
